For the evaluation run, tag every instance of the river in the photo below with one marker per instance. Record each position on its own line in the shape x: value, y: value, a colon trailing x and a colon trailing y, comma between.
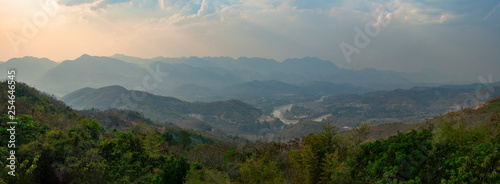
x: 279, y: 111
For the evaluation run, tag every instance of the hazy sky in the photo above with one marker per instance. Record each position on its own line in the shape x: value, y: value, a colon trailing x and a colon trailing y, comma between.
x: 455, y: 37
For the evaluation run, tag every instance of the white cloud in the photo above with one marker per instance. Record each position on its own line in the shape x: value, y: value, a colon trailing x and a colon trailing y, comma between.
x: 256, y: 28
x: 492, y: 11
x: 417, y: 13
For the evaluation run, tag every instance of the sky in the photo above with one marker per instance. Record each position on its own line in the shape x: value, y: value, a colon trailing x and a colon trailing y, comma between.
x: 459, y: 37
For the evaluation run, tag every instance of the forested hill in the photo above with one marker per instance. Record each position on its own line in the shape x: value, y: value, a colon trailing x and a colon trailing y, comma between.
x: 484, y: 115
x: 42, y: 107
x: 230, y: 116
x: 56, y: 144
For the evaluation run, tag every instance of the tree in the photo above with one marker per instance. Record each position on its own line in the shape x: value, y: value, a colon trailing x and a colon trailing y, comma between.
x: 257, y: 170
x: 304, y: 163
x: 184, y: 139
x: 174, y: 171
x: 335, y: 170
x: 127, y: 160
x: 403, y: 157
x: 465, y: 154
x: 320, y: 145
x: 168, y: 137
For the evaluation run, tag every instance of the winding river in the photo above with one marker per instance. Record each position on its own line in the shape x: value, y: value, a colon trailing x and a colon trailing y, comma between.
x: 280, y: 110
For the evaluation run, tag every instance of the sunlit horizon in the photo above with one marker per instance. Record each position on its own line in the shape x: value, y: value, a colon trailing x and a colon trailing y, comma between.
x: 450, y: 37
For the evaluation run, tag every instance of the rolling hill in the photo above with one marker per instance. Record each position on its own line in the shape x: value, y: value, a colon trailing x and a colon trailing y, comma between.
x: 484, y: 115
x: 232, y: 116
x: 402, y: 105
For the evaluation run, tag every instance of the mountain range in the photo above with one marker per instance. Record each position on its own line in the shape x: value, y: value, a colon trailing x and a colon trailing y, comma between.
x: 207, y: 78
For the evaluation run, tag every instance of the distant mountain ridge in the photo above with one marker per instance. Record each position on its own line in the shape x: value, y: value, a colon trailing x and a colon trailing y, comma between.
x: 28, y: 68
x: 185, y: 76
x: 89, y: 71
x: 277, y: 88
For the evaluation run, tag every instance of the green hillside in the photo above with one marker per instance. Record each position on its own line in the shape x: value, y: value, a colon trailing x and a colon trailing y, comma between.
x: 485, y: 115
x: 231, y: 116
x: 56, y: 144
x: 40, y: 106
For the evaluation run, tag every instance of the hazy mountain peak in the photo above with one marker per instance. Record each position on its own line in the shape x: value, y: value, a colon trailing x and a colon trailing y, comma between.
x: 113, y: 88
x: 135, y: 60
x: 29, y: 68
x: 308, y: 59
x: 119, y: 55
x: 31, y: 59
x: 23, y: 59
x: 256, y: 59
x: 90, y: 71
x: 84, y: 56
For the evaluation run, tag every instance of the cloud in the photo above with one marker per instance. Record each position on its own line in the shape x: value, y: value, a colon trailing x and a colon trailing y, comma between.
x: 213, y: 6
x: 105, y: 3
x: 403, y: 11
x: 418, y: 35
x: 406, y: 12
x: 492, y: 11
x: 418, y: 13
x: 76, y: 2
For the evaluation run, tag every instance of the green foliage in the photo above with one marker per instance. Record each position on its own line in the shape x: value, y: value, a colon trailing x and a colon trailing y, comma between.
x: 321, y: 144
x: 26, y: 130
x: 93, y: 128
x: 210, y: 176
x: 304, y: 163
x: 89, y: 164
x: 184, y: 139
x: 492, y: 107
x: 256, y: 170
x: 351, y: 140
x: 24, y: 170
x: 468, y: 155
x: 210, y: 155
x: 168, y: 137
x: 400, y: 158
x: 127, y: 160
x: 334, y: 170
x: 459, y: 134
x: 472, y: 164
x: 174, y: 171
x: 41, y: 107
